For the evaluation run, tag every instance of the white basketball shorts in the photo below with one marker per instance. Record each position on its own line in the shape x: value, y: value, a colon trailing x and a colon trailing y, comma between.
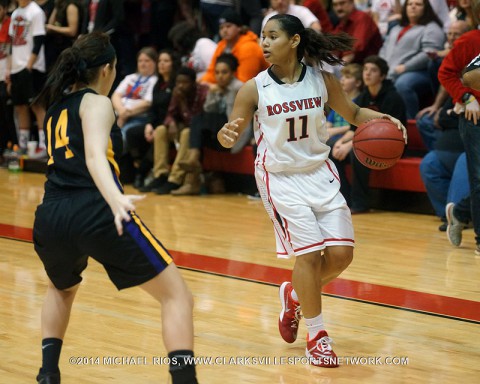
x: 307, y: 209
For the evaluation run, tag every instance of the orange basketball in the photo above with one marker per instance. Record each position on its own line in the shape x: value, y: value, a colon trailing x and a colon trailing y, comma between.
x: 378, y: 143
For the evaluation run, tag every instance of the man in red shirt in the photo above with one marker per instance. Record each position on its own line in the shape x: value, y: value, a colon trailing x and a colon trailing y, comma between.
x: 359, y: 25
x: 466, y: 100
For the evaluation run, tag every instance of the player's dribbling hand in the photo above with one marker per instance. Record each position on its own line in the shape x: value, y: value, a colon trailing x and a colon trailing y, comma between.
x: 124, y: 205
x: 399, y: 124
x: 228, y: 135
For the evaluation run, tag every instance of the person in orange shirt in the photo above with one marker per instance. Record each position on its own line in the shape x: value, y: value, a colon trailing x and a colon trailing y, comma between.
x: 240, y: 42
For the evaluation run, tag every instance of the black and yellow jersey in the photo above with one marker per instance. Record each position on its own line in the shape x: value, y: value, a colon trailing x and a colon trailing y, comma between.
x: 67, y: 168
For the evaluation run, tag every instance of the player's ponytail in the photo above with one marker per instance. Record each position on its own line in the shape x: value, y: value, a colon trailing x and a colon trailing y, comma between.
x: 314, y: 46
x: 79, y: 64
x: 324, y: 47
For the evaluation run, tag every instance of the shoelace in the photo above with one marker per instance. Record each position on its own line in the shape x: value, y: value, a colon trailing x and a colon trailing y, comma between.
x: 296, y: 316
x: 323, y: 345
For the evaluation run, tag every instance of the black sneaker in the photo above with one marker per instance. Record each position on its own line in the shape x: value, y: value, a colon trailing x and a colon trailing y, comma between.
x: 443, y: 227
x: 166, y: 188
x: 138, y: 182
x: 155, y: 183
x: 48, y: 378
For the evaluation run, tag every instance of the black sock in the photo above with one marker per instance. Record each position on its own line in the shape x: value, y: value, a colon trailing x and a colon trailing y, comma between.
x: 182, y: 367
x: 51, y: 349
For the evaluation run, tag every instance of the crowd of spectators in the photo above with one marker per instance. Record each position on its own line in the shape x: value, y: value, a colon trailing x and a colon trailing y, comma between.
x: 169, y: 62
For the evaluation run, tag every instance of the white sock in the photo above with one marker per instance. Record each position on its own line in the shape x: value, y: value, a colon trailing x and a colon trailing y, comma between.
x: 41, y: 139
x: 294, y: 295
x: 314, y: 325
x: 23, y: 136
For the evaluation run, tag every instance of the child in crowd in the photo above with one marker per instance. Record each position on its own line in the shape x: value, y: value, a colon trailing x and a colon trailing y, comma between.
x: 218, y: 106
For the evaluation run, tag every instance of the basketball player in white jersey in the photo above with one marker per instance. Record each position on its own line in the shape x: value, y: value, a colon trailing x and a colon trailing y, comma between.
x: 298, y: 184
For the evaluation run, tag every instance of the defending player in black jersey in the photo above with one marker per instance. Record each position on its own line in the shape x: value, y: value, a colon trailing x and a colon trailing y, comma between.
x: 85, y: 213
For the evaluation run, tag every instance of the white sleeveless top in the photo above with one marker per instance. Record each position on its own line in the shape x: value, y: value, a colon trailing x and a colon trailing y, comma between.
x: 289, y: 124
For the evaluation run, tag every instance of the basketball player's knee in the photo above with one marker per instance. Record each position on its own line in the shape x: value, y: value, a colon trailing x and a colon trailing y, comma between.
x: 345, y: 258
x: 309, y: 260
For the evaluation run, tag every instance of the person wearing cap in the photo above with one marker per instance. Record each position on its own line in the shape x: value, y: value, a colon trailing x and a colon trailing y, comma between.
x: 240, y: 42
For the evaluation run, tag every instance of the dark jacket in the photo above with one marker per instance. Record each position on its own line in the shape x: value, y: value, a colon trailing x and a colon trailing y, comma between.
x: 387, y: 101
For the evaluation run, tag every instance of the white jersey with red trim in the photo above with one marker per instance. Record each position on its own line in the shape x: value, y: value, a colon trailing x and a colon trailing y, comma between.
x: 289, y: 124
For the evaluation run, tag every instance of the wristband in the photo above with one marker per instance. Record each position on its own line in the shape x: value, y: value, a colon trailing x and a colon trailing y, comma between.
x: 471, y: 99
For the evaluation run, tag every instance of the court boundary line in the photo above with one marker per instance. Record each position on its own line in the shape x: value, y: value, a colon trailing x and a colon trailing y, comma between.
x: 376, y: 294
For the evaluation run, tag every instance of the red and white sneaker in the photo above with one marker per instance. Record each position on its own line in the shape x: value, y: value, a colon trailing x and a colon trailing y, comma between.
x: 290, y: 315
x: 319, y: 351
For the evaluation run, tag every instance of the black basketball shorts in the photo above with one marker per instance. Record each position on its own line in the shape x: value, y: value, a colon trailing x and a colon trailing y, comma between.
x: 68, y: 230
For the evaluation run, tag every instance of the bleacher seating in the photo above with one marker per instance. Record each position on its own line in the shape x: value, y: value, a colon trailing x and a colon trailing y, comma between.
x: 404, y: 176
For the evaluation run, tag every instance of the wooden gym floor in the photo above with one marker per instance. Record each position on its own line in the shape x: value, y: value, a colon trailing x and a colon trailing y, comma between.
x: 407, y: 310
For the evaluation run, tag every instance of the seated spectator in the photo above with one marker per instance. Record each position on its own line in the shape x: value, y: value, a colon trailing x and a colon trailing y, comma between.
x: 352, y: 84
x: 133, y: 96
x: 204, y: 128
x: 317, y: 8
x: 380, y: 95
x: 211, y: 11
x: 425, y: 119
x: 241, y: 43
x: 140, y: 138
x: 443, y: 173
x: 384, y: 13
x: 252, y: 13
x: 405, y: 50
x: 196, y: 52
x: 456, y: 29
x: 308, y: 19
x: 463, y: 11
x: 63, y: 27
x: 441, y: 9
x: 359, y: 25
x: 187, y: 101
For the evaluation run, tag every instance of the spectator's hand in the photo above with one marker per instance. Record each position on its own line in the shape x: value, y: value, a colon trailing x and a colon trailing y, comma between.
x: 228, y: 135
x: 458, y: 108
x: 214, y: 88
x: 432, y: 54
x: 121, y: 121
x: 472, y: 111
x: 148, y: 133
x: 399, y: 69
x: 341, y: 150
x: 428, y: 110
x: 179, y: 92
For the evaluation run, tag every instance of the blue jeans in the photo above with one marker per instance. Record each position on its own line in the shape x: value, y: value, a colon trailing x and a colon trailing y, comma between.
x: 470, y: 134
x: 445, y: 177
x: 428, y: 131
x: 131, y: 123
x: 412, y: 87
